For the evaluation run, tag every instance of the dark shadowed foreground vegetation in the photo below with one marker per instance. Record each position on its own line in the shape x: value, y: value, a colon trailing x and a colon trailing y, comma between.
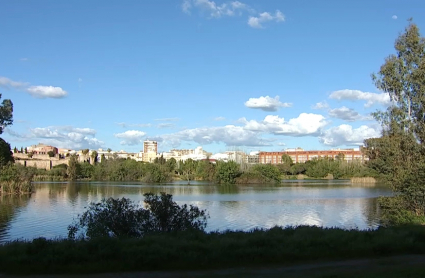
x: 199, y: 250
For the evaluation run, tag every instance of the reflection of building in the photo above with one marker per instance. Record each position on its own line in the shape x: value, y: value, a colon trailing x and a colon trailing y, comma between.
x: 42, y: 149
x: 299, y: 155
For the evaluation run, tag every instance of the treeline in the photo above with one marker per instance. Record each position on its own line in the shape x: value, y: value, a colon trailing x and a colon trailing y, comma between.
x: 162, y: 170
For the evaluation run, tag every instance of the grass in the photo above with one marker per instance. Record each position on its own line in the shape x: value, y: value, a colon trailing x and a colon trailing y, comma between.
x: 200, y: 251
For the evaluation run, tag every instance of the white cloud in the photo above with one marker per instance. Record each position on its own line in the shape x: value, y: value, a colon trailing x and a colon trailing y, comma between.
x: 35, y: 91
x: 61, y: 137
x: 23, y: 59
x: 213, y: 9
x: 46, y: 92
x: 232, y: 8
x: 348, y: 114
x: 125, y: 125
x: 266, y: 103
x: 258, y: 21
x: 321, y: 105
x: 219, y: 119
x: 165, y: 125
x: 230, y: 135
x: 167, y: 119
x: 346, y: 135
x: 131, y: 137
x: 8, y: 83
x: 186, y: 6
x: 370, y: 98
x: 394, y: 17
x: 306, y: 124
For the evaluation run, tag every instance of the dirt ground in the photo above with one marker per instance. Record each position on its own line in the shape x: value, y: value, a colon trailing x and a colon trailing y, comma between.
x: 399, y: 266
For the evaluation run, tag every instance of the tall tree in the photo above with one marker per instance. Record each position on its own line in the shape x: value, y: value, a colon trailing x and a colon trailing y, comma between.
x: 6, y: 114
x: 400, y: 153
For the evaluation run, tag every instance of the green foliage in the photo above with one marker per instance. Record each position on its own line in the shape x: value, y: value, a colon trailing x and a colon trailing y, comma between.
x: 6, y: 114
x: 93, y: 156
x: 216, y: 250
x: 188, y: 168
x: 156, y: 173
x: 227, y: 172
x: 74, y: 168
x: 394, y: 212
x: 167, y: 216
x: 399, y: 155
x: 268, y: 172
x: 16, y: 179
x: 123, y: 218
x: 205, y: 170
x: 51, y: 153
x: 5, y: 153
x: 287, y: 160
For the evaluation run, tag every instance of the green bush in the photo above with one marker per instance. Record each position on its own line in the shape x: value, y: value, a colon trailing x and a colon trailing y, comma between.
x: 123, y: 218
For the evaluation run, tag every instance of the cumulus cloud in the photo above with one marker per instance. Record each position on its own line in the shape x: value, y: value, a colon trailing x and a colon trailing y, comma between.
x: 215, y: 10
x: 394, y: 17
x: 306, y: 124
x: 46, y: 92
x: 258, y: 21
x: 354, y: 95
x: 131, y: 137
x: 232, y: 8
x: 266, y: 103
x: 321, y: 105
x: 35, y: 91
x: 230, y: 135
x: 348, y: 114
x: 61, y: 137
x: 347, y: 135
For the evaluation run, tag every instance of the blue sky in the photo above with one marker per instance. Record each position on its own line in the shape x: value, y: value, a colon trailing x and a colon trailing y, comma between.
x: 253, y: 75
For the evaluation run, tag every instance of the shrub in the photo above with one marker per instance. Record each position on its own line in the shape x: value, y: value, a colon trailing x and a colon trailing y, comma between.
x: 123, y: 218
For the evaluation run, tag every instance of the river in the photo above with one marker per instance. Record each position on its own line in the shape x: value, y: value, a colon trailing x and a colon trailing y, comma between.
x: 328, y: 203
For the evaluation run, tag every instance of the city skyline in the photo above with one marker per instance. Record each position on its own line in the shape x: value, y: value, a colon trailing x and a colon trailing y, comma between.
x: 217, y: 74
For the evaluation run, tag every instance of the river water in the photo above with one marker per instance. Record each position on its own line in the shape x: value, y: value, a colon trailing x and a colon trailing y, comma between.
x: 334, y: 203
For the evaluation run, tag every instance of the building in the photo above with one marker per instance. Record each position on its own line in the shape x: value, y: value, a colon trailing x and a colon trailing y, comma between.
x: 150, y: 151
x: 42, y: 149
x: 150, y: 146
x: 300, y: 155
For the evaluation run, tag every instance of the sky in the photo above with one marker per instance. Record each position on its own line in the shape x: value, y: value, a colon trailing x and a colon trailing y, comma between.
x: 248, y: 75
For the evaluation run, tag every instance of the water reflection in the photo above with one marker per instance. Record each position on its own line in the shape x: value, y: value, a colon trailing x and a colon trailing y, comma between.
x: 53, y: 206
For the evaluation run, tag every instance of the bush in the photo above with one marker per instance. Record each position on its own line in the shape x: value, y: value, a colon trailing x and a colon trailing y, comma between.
x: 123, y: 218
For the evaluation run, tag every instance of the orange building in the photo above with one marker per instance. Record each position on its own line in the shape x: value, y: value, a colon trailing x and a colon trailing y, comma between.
x: 300, y: 155
x: 42, y: 149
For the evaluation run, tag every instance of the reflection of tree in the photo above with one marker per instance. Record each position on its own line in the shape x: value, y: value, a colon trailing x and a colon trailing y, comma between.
x: 228, y: 189
x: 371, y: 212
x: 8, y: 206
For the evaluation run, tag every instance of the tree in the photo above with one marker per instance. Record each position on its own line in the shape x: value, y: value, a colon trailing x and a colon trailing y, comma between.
x: 109, y: 150
x: 400, y: 152
x: 188, y: 168
x: 51, y: 153
x: 227, y: 172
x: 73, y: 170
x: 287, y: 160
x: 85, y: 151
x: 123, y: 218
x: 5, y: 153
x: 94, y: 155
x: 15, y: 150
x: 6, y: 114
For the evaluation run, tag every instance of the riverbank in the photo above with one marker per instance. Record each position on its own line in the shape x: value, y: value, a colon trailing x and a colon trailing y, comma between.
x: 202, y: 251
